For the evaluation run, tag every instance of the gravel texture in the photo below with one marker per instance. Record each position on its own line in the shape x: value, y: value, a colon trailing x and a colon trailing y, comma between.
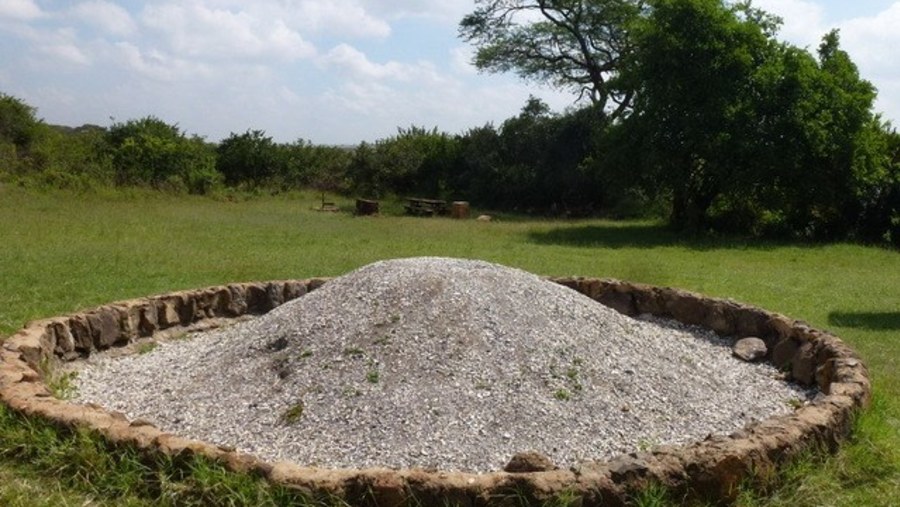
x: 441, y: 363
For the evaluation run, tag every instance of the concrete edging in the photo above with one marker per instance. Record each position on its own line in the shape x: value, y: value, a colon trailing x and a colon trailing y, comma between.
x: 711, y: 469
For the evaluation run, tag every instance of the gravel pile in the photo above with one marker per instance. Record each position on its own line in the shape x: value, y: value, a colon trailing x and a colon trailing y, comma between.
x: 443, y: 363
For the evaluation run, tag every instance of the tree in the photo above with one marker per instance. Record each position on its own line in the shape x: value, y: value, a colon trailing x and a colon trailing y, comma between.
x: 748, y: 133
x: 573, y: 44
x: 321, y: 167
x: 694, y: 63
x: 414, y: 160
x: 251, y: 157
x: 149, y: 151
x: 17, y: 121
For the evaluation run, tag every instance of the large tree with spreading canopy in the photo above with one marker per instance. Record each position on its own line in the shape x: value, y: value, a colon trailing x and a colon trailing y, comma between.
x: 579, y: 45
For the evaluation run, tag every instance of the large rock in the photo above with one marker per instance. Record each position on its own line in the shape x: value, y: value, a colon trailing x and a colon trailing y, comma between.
x: 750, y: 349
x: 529, y: 462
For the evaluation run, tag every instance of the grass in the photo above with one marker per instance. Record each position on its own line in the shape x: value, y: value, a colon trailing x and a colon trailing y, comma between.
x: 61, y: 252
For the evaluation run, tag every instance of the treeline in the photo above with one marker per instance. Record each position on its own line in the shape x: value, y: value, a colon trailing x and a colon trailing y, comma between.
x: 536, y: 162
x: 719, y: 127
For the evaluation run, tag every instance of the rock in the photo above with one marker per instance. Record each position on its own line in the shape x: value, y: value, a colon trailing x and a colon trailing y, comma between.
x: 803, y: 366
x: 783, y: 353
x: 105, y: 329
x: 626, y: 467
x: 529, y: 462
x: 484, y: 218
x: 750, y: 349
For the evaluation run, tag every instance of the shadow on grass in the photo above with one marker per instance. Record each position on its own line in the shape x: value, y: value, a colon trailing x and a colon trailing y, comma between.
x: 876, y: 321
x: 639, y: 235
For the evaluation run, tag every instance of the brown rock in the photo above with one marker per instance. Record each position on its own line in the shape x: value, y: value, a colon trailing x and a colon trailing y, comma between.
x: 148, y: 319
x: 627, y: 467
x: 237, y: 304
x: 65, y: 342
x: 167, y: 312
x: 293, y: 290
x: 81, y: 333
x: 803, y: 366
x: 314, y: 283
x: 257, y: 298
x: 718, y: 317
x: 220, y: 302
x: 275, y: 294
x: 750, y: 349
x: 188, y: 313
x: 686, y: 307
x: 27, y: 342
x: 647, y: 299
x: 621, y: 302
x: 529, y: 461
x: 783, y: 353
x: 129, y: 320
x: 104, y: 327
x: 750, y: 321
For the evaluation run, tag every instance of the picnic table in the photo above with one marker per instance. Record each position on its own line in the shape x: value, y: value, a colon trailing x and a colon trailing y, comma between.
x: 425, y: 207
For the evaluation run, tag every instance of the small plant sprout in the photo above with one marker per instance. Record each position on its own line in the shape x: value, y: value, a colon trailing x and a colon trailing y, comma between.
x: 306, y: 353
x: 147, y: 347
x: 794, y: 403
x: 293, y: 413
x: 60, y: 384
x: 351, y: 392
x: 372, y: 375
x: 562, y: 395
x: 645, y: 445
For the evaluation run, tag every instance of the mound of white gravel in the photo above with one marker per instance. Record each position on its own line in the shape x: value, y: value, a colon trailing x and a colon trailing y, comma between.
x: 443, y: 363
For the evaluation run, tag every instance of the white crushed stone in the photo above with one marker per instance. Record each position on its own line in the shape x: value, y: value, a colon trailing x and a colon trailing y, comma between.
x: 441, y: 363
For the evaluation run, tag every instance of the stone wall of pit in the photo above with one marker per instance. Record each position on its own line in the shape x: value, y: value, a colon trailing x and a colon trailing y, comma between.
x: 711, y: 469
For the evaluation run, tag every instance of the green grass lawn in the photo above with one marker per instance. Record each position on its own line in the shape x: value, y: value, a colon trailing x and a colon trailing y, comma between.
x: 61, y: 252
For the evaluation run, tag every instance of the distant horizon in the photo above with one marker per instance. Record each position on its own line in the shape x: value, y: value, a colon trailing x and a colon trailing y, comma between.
x: 331, y: 72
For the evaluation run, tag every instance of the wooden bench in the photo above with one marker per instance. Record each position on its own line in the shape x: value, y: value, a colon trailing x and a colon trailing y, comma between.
x: 425, y: 207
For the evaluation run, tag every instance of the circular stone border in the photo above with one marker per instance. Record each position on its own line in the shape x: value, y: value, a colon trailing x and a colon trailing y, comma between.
x: 711, y: 469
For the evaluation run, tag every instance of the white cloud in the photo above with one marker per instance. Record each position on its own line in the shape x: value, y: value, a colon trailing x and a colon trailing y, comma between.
x: 349, y: 60
x: 60, y: 46
x: 461, y: 60
x: 196, y: 29
x: 804, y: 20
x: 155, y: 64
x: 107, y: 16
x: 66, y: 53
x: 20, y: 9
x: 449, y: 11
x: 872, y: 43
x: 346, y: 18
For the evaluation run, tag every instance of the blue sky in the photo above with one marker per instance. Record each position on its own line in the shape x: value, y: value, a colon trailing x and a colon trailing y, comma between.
x: 329, y: 71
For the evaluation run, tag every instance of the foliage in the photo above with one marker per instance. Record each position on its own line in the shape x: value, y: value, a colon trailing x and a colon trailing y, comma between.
x: 18, y: 122
x: 747, y: 133
x: 320, y: 167
x: 250, y: 157
x: 573, y: 44
x: 151, y: 152
x: 416, y: 160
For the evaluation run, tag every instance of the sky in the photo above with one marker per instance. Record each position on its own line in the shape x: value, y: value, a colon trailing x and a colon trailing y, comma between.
x: 326, y: 71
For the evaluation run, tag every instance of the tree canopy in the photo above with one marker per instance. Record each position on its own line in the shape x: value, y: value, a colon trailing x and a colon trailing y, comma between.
x: 573, y: 44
